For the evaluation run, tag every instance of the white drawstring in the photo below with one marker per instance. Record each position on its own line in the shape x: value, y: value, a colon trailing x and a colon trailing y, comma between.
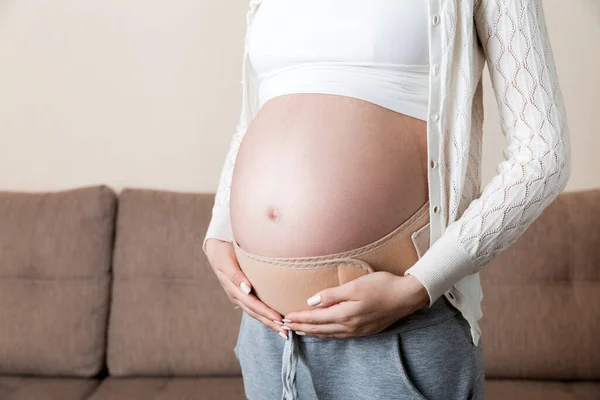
x: 289, y: 366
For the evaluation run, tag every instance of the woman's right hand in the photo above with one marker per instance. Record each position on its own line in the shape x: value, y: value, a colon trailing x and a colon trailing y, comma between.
x: 224, y: 263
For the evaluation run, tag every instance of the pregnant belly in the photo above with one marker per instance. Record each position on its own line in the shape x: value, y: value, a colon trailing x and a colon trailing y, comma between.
x: 318, y: 174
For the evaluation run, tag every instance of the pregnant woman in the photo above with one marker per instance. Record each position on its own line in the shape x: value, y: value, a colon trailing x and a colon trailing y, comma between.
x: 349, y: 223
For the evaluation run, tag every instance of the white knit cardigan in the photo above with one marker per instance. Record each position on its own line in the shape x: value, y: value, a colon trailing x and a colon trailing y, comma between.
x: 469, y: 226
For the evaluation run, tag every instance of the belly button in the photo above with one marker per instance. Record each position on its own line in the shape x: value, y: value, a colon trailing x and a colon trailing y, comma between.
x: 273, y: 213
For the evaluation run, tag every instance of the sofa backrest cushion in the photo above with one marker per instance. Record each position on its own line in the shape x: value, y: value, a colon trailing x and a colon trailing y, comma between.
x: 55, y: 256
x: 541, y: 296
x: 169, y: 313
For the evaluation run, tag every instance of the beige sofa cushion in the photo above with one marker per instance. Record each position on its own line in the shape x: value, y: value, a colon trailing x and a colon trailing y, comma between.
x: 55, y: 255
x: 517, y: 389
x: 541, y: 303
x: 169, y: 313
x: 34, y: 388
x: 174, y: 388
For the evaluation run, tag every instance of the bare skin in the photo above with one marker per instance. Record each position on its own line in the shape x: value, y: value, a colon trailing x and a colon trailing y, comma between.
x: 318, y: 174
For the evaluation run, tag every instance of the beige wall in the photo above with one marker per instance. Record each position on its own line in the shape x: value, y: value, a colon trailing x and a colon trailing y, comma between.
x: 146, y: 93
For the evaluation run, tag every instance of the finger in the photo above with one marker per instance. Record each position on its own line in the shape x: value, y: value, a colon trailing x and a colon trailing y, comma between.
x: 249, y: 300
x: 337, y: 313
x: 265, y: 321
x: 231, y: 275
x: 332, y: 295
x: 231, y: 291
x: 321, y: 330
x: 234, y: 273
x: 326, y: 298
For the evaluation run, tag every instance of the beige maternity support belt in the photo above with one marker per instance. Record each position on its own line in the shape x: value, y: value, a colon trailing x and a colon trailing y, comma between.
x: 284, y: 284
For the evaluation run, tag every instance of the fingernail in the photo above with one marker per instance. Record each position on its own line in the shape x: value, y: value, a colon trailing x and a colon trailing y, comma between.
x: 236, y: 307
x: 313, y: 301
x: 283, y: 335
x: 245, y: 287
x: 300, y: 333
x: 278, y: 322
x: 287, y: 328
x: 286, y: 320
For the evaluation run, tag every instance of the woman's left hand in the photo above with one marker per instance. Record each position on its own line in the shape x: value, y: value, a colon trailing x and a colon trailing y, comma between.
x: 363, y: 306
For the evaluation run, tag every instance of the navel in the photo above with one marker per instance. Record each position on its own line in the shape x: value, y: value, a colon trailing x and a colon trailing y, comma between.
x: 273, y: 213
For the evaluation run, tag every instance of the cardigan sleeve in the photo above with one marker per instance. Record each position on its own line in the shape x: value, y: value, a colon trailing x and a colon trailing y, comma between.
x: 536, y: 165
x: 219, y: 226
x: 220, y: 223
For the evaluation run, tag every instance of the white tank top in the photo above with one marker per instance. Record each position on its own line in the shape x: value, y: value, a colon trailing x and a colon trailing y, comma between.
x: 376, y: 50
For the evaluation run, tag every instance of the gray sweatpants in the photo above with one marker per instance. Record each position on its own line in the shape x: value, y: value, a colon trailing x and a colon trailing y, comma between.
x: 428, y: 354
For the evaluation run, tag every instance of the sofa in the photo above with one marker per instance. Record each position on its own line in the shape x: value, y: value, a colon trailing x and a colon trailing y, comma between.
x: 107, y: 295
